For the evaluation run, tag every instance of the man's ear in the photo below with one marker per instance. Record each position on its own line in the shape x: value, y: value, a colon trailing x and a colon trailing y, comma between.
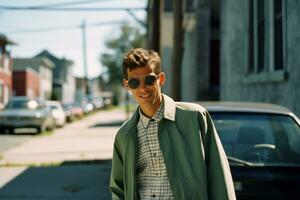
x: 162, y: 79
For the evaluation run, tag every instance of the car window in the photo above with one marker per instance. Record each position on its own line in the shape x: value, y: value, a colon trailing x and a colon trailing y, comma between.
x: 259, y: 138
x: 26, y: 104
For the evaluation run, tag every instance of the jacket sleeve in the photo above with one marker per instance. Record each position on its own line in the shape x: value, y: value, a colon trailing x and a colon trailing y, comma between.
x: 219, y: 179
x: 116, y: 179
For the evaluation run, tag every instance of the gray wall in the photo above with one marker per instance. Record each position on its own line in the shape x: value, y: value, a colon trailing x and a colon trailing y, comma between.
x: 273, y: 87
x: 195, y: 65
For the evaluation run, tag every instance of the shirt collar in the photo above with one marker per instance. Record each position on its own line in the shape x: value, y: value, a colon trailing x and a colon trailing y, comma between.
x: 168, y: 109
x: 159, y: 114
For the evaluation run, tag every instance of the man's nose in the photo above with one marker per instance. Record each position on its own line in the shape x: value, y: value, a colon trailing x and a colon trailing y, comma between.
x: 143, y: 85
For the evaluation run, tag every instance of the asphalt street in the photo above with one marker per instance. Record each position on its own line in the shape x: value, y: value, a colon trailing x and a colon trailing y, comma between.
x: 73, y: 162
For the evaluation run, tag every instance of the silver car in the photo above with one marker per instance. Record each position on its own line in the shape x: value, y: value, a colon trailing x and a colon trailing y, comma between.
x: 22, y: 112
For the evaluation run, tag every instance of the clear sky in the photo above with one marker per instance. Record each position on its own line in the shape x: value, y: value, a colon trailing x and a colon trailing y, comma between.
x: 59, y: 31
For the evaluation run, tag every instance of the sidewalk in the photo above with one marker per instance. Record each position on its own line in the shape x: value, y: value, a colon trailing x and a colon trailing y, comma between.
x: 72, y: 163
x: 89, y: 139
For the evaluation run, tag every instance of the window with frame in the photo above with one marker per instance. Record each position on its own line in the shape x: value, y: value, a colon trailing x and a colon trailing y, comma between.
x: 265, y: 36
x: 278, y: 35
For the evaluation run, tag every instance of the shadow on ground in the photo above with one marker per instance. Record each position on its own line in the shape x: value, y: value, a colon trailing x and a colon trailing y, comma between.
x: 116, y: 123
x: 21, y: 131
x: 70, y: 180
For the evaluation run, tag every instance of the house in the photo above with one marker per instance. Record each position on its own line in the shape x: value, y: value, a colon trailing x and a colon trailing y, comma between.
x: 26, y: 83
x: 260, y: 51
x: 44, y: 67
x: 5, y: 70
x: 200, y: 65
x: 63, y: 80
x: 81, y: 88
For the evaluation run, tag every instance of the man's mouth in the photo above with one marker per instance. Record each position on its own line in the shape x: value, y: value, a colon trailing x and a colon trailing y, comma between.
x: 145, y: 95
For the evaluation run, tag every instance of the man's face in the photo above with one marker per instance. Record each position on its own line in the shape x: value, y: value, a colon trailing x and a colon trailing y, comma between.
x: 146, y: 94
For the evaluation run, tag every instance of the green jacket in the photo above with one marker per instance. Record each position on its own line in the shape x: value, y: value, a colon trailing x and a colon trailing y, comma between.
x: 195, y: 160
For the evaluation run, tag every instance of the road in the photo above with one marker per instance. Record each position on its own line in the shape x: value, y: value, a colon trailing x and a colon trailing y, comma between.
x: 71, y: 163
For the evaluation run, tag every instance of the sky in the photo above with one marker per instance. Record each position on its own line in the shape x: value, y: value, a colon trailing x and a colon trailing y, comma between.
x: 59, y: 32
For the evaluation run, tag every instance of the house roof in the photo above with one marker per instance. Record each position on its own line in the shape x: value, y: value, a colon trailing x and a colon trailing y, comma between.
x: 35, y: 63
x: 61, y: 62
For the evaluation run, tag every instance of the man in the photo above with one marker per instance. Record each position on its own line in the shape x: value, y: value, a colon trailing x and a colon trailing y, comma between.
x: 166, y: 150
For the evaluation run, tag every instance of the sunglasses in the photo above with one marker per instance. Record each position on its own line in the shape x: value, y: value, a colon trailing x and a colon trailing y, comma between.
x: 149, y: 80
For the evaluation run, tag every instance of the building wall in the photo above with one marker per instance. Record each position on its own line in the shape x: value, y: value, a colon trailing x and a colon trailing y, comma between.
x: 5, y: 77
x: 19, y: 83
x: 195, y: 64
x: 32, y: 83
x: 26, y: 83
x: 80, y: 92
x: 69, y: 87
x: 166, y: 49
x: 281, y: 87
x: 45, y: 82
x: 194, y: 76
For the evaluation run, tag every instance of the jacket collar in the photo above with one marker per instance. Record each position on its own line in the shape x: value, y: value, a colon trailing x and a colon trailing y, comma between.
x: 170, y: 108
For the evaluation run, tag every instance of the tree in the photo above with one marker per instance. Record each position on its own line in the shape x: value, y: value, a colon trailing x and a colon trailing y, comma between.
x: 129, y: 37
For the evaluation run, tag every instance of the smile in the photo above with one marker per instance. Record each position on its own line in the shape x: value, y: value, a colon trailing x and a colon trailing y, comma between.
x: 145, y: 95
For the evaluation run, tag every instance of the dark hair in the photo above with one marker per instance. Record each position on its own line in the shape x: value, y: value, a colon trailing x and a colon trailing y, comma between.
x: 140, y: 57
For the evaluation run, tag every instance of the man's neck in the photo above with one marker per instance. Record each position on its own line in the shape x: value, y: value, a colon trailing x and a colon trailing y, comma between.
x: 150, y: 110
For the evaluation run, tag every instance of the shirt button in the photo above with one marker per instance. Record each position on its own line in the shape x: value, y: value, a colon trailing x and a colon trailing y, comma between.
x: 157, y: 174
x: 153, y: 195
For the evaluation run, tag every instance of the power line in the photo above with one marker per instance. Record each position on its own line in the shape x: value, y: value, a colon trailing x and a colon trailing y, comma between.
x: 60, y: 28
x: 107, y: 9
x: 68, y: 4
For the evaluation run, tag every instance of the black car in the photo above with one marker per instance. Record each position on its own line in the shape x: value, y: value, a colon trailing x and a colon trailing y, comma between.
x: 262, y: 143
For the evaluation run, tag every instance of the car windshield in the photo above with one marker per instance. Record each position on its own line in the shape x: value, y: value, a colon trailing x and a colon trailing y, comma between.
x: 53, y: 107
x: 259, y: 139
x: 23, y: 104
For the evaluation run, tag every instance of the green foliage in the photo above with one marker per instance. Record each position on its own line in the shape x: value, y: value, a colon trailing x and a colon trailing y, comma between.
x: 129, y: 37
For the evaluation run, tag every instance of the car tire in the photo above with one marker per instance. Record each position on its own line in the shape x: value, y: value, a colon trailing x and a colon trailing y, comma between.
x: 51, y: 127
x: 41, y: 129
x: 2, y: 130
x: 10, y: 131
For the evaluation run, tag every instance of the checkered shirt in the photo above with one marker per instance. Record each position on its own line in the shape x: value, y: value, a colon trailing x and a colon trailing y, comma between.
x: 152, y: 178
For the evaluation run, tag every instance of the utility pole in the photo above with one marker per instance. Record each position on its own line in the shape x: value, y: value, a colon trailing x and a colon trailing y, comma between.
x: 84, y: 53
x: 177, y: 55
x: 154, y: 22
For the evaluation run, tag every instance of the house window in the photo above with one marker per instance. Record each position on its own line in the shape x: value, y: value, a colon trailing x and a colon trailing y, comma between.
x: 265, y: 36
x: 278, y: 39
x: 260, y: 41
x: 251, y: 39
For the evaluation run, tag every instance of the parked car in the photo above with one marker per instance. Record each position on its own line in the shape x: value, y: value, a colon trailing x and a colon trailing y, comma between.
x: 97, y: 102
x: 22, y: 112
x: 87, y: 106
x: 77, y: 110
x: 262, y: 143
x: 70, y: 116
x: 57, y: 112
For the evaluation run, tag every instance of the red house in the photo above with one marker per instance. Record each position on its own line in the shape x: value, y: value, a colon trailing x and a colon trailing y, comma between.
x: 26, y: 83
x: 5, y: 70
